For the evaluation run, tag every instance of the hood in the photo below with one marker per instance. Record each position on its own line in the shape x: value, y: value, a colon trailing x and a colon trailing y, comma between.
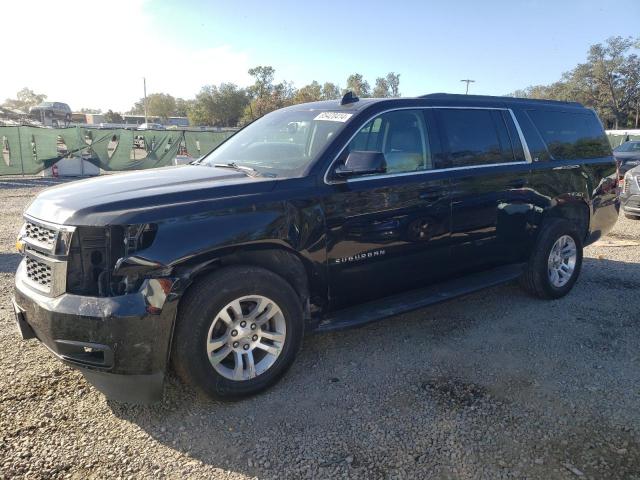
x: 145, y: 196
x: 627, y: 155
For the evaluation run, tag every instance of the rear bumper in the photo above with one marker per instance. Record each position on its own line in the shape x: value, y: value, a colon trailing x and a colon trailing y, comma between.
x: 120, y: 344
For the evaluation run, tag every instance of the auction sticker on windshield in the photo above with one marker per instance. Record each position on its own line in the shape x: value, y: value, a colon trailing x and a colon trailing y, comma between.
x: 334, y: 116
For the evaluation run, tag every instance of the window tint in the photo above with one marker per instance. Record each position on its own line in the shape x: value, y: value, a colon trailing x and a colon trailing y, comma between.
x: 571, y: 135
x: 476, y: 137
x: 402, y: 137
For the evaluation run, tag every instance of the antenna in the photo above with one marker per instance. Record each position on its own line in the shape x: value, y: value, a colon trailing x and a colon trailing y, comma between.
x: 468, y: 80
x: 348, y: 98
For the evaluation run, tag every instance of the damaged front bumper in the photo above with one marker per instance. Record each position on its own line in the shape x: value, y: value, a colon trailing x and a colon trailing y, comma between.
x: 120, y: 344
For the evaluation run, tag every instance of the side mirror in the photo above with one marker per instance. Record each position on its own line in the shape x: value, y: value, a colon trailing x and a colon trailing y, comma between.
x: 362, y: 163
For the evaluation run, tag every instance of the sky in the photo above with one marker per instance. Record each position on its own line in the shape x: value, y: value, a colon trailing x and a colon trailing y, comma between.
x: 94, y: 54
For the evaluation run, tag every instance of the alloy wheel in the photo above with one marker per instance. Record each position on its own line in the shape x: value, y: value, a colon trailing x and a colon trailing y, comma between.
x: 246, y: 337
x: 562, y: 261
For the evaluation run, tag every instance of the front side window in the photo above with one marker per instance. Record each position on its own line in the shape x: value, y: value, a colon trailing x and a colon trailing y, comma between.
x: 284, y: 143
x: 571, y: 135
x: 477, y: 137
x: 401, y: 136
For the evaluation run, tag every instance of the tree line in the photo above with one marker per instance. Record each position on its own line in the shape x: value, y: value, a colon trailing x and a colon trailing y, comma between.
x: 608, y: 81
x: 229, y: 105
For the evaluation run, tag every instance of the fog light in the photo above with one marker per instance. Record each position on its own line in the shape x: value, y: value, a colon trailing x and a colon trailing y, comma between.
x: 20, y: 247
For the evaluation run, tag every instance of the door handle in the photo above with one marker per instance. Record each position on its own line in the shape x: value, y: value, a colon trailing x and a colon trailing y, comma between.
x: 517, y: 183
x: 567, y: 167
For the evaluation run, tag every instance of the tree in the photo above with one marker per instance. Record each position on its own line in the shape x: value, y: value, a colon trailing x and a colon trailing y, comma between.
x: 263, y: 81
x: 265, y: 96
x: 309, y: 93
x: 25, y: 99
x: 358, y: 85
x: 218, y: 105
x: 393, y: 80
x: 182, y: 107
x: 330, y: 91
x: 381, y: 90
x: 160, y: 105
x: 610, y: 78
x: 609, y: 82
x: 113, y: 117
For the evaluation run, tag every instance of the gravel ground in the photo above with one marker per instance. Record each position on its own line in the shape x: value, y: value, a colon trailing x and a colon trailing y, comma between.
x: 495, y: 385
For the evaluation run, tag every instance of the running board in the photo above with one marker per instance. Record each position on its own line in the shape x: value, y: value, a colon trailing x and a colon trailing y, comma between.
x: 415, y: 299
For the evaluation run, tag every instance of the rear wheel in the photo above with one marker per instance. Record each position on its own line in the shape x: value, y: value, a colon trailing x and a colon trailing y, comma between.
x: 237, y: 332
x: 555, y: 263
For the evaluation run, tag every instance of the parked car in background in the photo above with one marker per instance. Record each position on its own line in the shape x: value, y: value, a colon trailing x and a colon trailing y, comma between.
x: 628, y: 156
x: 630, y: 193
x: 150, y: 126
x: 51, y: 113
x: 366, y: 209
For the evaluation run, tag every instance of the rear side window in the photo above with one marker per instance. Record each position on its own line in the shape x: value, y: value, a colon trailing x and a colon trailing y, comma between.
x: 478, y: 137
x: 570, y: 135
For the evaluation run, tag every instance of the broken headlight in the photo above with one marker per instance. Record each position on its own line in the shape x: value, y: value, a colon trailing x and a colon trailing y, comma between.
x: 138, y: 237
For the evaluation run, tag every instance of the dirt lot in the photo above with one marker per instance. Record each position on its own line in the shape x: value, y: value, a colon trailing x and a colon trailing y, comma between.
x: 495, y: 385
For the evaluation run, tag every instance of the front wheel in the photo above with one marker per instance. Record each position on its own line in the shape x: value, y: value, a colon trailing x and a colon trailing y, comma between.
x: 237, y: 332
x: 555, y: 263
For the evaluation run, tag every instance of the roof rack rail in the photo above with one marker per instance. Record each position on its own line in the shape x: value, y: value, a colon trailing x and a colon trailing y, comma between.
x: 444, y: 96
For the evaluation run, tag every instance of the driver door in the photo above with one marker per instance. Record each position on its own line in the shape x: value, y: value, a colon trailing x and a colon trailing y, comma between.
x: 389, y: 232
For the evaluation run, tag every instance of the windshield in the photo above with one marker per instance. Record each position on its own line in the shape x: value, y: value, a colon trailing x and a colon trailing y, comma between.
x: 629, y: 147
x: 282, y: 143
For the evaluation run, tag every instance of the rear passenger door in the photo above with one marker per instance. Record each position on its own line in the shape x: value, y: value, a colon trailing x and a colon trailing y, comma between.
x: 489, y: 177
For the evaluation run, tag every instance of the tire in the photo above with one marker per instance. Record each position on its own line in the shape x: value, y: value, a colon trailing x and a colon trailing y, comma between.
x: 632, y: 217
x: 204, y: 321
x: 538, y: 279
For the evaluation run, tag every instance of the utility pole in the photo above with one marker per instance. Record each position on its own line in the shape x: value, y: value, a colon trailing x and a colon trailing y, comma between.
x: 468, y: 81
x: 144, y: 82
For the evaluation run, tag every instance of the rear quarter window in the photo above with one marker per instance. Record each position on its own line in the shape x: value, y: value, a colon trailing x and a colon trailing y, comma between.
x: 571, y: 135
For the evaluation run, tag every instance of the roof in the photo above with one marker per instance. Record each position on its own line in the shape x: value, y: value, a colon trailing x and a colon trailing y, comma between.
x: 436, y: 99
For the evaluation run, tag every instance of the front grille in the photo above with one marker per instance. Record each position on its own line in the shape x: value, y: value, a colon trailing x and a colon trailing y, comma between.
x: 40, y: 235
x: 39, y: 273
x: 633, y: 202
x: 45, y: 265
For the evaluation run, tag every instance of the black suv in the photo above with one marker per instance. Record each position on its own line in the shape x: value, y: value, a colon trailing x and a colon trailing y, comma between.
x: 315, y: 217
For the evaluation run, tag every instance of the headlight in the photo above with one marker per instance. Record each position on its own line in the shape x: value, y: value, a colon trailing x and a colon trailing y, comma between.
x: 138, y: 237
x: 64, y: 242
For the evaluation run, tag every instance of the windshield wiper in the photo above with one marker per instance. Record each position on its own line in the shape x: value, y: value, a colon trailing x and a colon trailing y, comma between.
x: 240, y: 168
